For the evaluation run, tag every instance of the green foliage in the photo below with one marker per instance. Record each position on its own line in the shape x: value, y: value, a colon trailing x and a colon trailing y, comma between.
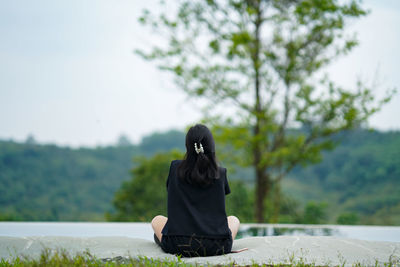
x: 283, y: 208
x: 145, y: 195
x: 348, y: 218
x: 240, y: 201
x: 289, y: 209
x: 263, y: 60
x: 315, y: 213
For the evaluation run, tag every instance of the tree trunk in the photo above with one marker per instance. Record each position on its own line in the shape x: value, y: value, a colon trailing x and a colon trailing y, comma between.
x: 261, y: 177
x: 262, y: 189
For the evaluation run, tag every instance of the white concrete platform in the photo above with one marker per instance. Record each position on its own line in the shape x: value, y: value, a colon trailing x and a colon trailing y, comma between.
x: 321, y: 250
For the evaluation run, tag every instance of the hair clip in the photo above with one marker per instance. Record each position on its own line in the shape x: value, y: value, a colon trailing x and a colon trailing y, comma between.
x: 198, y: 150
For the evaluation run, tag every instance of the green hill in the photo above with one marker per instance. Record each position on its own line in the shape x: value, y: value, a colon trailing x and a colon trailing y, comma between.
x: 362, y: 175
x: 50, y: 183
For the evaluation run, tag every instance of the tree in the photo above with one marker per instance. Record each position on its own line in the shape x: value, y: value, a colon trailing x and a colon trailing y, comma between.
x: 348, y: 218
x: 30, y: 140
x: 124, y: 141
x: 157, y: 142
x: 143, y: 197
x: 314, y: 213
x: 262, y: 63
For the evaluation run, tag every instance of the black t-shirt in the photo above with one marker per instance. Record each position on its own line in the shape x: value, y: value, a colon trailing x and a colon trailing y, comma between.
x: 195, y: 210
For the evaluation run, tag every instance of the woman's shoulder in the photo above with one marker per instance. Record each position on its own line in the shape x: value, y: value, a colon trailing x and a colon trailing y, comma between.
x: 222, y: 170
x: 176, y: 162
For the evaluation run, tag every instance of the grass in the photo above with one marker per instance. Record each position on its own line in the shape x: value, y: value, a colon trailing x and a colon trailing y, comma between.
x: 62, y: 258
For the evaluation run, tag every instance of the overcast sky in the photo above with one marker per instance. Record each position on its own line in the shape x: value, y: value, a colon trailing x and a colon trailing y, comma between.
x: 68, y: 74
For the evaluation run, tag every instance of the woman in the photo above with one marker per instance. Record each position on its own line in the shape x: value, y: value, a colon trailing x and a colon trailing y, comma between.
x: 197, y: 224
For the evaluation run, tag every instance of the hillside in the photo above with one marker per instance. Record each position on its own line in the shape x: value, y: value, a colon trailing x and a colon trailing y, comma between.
x: 362, y: 175
x: 51, y: 183
x: 47, y: 182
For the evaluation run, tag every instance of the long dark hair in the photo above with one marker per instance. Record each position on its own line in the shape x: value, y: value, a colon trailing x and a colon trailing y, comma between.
x: 199, y: 168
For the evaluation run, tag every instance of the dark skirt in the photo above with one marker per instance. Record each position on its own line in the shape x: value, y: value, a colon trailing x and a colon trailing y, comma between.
x: 194, y: 246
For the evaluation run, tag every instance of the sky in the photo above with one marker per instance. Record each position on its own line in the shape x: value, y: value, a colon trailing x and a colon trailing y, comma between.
x: 68, y: 74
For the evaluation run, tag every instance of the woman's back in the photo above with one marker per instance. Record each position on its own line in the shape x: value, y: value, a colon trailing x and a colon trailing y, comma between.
x: 194, y: 209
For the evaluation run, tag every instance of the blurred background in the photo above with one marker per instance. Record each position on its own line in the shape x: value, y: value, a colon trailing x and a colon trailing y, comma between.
x: 87, y: 125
